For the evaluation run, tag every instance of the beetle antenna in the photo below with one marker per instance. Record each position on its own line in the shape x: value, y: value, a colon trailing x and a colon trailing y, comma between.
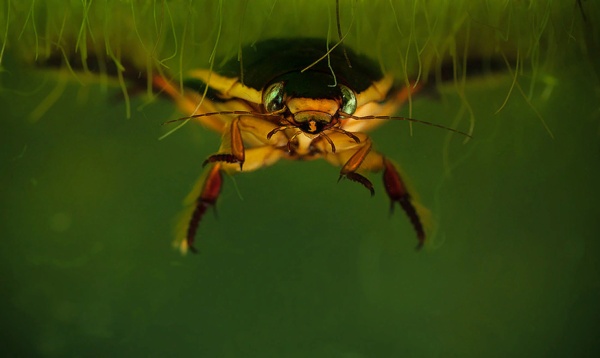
x: 404, y: 119
x: 276, y: 113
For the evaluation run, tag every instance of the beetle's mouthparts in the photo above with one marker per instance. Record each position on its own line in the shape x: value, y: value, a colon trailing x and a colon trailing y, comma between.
x: 314, y: 116
x: 312, y: 122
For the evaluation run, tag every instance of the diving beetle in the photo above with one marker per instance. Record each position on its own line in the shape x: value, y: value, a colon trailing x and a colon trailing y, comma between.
x: 277, y: 106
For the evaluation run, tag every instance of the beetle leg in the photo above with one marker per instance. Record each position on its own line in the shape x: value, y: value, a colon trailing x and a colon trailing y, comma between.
x: 188, y: 102
x: 210, y: 183
x: 233, y: 143
x: 349, y: 169
x: 278, y: 129
x: 398, y: 193
x: 208, y: 187
x: 340, y: 130
x: 359, y: 157
x: 250, y: 131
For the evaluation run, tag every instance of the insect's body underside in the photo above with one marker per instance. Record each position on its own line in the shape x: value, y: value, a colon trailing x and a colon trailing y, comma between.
x: 280, y: 112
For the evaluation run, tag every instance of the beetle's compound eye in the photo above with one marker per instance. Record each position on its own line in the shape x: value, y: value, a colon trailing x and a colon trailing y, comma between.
x: 273, y: 97
x: 348, y: 100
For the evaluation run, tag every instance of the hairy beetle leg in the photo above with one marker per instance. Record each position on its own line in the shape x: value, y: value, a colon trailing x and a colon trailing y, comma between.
x: 353, y: 164
x: 357, y: 158
x: 211, y: 187
x: 232, y: 142
x: 355, y: 177
x: 208, y: 187
x: 227, y: 158
x: 397, y: 192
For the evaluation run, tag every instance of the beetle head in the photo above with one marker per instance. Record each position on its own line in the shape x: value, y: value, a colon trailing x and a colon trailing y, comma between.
x: 308, y: 100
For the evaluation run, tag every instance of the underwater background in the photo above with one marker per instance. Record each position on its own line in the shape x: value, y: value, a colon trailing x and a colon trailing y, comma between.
x: 295, y: 264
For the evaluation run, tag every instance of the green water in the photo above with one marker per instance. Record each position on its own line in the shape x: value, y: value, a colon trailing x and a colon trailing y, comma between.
x: 302, y: 266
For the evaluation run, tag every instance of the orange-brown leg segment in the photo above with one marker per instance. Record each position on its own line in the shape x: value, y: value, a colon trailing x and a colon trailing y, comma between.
x: 396, y: 190
x: 349, y: 169
x: 208, y: 187
x: 208, y: 197
x: 355, y: 157
x: 235, y: 144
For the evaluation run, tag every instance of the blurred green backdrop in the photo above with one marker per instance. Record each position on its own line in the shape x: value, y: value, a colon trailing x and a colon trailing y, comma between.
x: 302, y: 266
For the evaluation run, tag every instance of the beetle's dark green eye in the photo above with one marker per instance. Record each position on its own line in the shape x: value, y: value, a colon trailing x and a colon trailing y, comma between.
x: 348, y: 100
x: 273, y: 97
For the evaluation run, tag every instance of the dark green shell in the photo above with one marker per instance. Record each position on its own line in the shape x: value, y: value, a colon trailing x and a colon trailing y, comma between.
x: 271, y: 59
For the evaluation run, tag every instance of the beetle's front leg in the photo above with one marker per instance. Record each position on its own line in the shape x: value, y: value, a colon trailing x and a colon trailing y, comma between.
x: 245, y: 131
x: 353, y: 164
x: 232, y: 147
x: 351, y: 151
x: 359, y: 157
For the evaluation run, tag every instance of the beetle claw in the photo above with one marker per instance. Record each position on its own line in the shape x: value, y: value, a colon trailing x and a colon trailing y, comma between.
x: 227, y: 158
x: 355, y: 177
